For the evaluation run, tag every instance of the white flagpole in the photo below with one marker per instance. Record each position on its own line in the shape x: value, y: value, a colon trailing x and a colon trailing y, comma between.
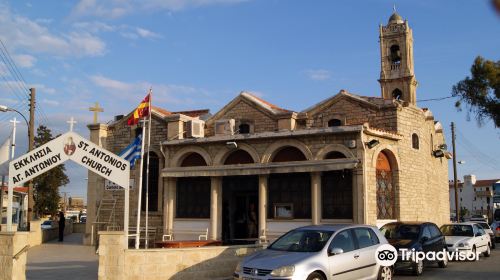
x: 147, y: 166
x: 10, y: 194
x: 138, y: 229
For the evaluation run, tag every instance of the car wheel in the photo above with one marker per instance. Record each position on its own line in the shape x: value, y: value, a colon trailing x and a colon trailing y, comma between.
x: 444, y: 263
x: 315, y: 276
x: 418, y: 268
x: 474, y: 253
x: 488, y: 251
x: 385, y: 273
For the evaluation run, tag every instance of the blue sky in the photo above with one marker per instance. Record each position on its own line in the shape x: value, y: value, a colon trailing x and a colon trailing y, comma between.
x: 202, y: 53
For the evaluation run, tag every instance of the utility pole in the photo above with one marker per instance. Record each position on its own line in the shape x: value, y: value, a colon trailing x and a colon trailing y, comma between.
x: 455, y: 182
x: 31, y: 144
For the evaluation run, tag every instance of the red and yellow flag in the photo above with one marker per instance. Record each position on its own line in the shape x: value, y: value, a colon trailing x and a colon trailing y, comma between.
x: 141, y: 111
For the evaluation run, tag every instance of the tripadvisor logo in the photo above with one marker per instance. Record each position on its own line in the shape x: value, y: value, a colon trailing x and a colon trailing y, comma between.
x: 387, y: 255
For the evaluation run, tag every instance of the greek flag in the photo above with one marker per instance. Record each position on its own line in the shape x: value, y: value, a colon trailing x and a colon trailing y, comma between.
x: 133, y: 151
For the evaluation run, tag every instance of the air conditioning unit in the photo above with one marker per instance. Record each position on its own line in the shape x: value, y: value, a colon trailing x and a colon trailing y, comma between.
x: 224, y: 127
x: 195, y: 129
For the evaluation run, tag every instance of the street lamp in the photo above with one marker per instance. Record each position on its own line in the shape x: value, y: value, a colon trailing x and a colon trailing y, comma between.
x: 31, y: 144
x: 4, y: 108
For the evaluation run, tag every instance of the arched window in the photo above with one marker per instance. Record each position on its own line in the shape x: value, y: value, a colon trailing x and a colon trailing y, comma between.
x: 244, y: 128
x: 152, y: 181
x: 289, y: 153
x: 397, y: 94
x: 334, y: 155
x: 395, y: 54
x: 414, y: 141
x: 385, y: 188
x: 193, y: 159
x: 334, y: 122
x: 239, y: 157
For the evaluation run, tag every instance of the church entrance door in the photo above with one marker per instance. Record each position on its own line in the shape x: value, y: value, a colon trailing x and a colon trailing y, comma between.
x: 240, y: 200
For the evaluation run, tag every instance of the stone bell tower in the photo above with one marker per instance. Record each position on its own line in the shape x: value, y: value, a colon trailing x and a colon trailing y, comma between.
x: 397, y: 77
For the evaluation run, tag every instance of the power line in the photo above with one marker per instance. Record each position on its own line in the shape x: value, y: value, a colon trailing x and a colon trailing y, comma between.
x: 435, y: 99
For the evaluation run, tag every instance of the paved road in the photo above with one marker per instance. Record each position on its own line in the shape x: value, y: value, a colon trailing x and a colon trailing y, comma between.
x: 62, y: 260
x: 484, y: 269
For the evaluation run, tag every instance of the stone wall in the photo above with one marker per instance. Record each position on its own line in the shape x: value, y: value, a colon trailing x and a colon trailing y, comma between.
x: 11, y: 243
x: 243, y: 110
x: 217, y: 262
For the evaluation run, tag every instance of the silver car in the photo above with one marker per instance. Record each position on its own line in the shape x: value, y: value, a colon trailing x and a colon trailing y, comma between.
x: 319, y: 253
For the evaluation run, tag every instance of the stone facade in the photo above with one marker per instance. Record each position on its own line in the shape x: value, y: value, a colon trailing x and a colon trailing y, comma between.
x: 346, y: 134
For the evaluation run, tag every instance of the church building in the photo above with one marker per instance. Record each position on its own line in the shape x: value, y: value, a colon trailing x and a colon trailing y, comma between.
x: 254, y: 169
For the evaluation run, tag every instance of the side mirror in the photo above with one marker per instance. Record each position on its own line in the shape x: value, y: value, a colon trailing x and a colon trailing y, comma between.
x: 424, y: 239
x: 335, y: 251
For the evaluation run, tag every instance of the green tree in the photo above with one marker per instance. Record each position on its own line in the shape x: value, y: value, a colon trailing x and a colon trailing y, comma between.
x: 481, y: 91
x: 46, y: 186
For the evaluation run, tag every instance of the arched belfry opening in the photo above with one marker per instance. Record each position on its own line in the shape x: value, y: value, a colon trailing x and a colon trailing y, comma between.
x: 395, y: 55
x: 397, y: 94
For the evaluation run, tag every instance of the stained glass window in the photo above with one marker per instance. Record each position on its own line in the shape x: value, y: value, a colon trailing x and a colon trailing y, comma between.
x: 385, y: 189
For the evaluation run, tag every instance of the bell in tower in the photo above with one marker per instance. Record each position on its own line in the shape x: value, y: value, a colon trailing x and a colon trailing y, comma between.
x: 397, y: 78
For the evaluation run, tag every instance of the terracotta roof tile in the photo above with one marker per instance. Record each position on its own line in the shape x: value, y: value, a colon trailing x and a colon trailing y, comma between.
x: 265, y: 103
x: 193, y: 113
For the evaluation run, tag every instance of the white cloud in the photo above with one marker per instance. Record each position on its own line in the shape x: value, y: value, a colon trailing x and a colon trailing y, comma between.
x: 144, y: 33
x: 119, y: 8
x: 44, y: 89
x: 22, y: 33
x: 124, y: 30
x: 94, y: 26
x: 318, y: 74
x: 169, y: 96
x: 50, y: 102
x: 24, y: 60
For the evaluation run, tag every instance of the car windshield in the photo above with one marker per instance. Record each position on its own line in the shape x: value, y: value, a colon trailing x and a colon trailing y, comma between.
x: 457, y: 230
x: 302, y: 241
x: 399, y: 231
x: 484, y: 225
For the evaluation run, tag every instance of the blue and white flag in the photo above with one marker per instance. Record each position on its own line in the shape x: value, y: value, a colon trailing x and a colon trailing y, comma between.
x: 133, y: 151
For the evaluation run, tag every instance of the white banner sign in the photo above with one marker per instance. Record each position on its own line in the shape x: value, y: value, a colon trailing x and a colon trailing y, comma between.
x: 76, y: 148
x: 110, y: 186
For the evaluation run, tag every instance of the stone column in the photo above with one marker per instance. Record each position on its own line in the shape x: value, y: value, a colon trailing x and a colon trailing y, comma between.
x: 112, y: 246
x: 315, y: 197
x: 215, y: 210
x: 98, y: 134
x: 169, y: 203
x: 12, y: 245
x: 263, y: 180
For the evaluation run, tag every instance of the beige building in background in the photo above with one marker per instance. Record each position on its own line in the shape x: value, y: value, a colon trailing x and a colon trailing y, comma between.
x: 255, y: 169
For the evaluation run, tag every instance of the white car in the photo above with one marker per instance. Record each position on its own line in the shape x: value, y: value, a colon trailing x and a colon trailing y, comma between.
x: 467, y: 237
x: 489, y: 231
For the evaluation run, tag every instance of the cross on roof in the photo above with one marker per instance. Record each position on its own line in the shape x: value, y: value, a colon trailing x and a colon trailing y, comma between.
x: 71, y: 123
x: 96, y: 111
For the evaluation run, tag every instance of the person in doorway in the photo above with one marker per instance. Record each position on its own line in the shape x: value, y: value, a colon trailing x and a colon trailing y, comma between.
x: 252, y: 221
x: 62, y: 224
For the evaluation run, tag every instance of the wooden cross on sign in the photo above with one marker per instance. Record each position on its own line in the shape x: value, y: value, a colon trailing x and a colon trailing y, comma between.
x: 96, y: 111
x: 71, y: 123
